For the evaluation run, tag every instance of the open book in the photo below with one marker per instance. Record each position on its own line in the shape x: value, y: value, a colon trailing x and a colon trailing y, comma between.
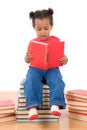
x: 46, y: 56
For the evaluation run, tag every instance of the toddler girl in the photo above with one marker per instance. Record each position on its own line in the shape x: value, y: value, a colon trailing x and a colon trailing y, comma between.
x: 42, y: 22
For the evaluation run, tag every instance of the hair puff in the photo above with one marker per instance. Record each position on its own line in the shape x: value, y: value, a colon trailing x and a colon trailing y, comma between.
x: 31, y: 15
x: 50, y: 11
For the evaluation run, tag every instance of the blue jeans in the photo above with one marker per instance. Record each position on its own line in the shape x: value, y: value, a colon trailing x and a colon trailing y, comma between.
x: 33, y: 87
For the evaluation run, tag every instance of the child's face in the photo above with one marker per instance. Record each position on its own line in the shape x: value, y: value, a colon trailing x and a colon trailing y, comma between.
x: 42, y: 28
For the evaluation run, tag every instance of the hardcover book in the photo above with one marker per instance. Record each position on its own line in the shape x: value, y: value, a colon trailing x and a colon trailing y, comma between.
x: 78, y: 93
x: 78, y: 111
x: 38, y: 120
x: 78, y: 116
x: 69, y: 97
x: 6, y: 104
x: 7, y: 111
x: 77, y: 103
x: 8, y: 118
x: 46, y: 56
x: 40, y: 116
x: 75, y: 107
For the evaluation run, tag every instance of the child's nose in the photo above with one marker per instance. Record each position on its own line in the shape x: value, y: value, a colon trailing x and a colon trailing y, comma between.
x: 42, y: 32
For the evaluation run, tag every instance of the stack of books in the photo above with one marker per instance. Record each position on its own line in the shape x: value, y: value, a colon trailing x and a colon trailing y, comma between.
x: 7, y: 111
x: 44, y: 112
x: 77, y: 104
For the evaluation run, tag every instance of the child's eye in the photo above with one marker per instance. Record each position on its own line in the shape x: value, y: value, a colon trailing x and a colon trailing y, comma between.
x: 39, y: 29
x: 46, y: 28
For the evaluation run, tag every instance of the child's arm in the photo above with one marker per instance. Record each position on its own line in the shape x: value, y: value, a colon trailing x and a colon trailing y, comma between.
x: 28, y: 57
x: 64, y: 60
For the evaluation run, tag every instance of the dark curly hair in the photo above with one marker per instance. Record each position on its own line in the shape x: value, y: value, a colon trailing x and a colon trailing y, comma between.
x: 40, y: 14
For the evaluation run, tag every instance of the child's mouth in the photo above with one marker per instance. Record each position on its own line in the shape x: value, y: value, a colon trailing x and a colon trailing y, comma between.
x: 43, y: 37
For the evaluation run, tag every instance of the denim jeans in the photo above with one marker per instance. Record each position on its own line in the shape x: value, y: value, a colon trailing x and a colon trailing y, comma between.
x: 33, y: 87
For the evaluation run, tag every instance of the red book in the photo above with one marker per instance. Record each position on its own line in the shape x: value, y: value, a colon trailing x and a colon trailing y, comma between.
x: 78, y: 93
x: 70, y: 97
x: 46, y: 56
x: 6, y: 104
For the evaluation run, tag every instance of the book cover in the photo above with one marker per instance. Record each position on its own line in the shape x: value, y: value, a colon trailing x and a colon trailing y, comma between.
x: 78, y: 93
x: 55, y: 52
x: 6, y: 104
x: 40, y: 54
x: 46, y: 56
x: 69, y: 97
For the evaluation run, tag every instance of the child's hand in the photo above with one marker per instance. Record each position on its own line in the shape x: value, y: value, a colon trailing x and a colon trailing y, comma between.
x: 63, y: 60
x: 28, y: 57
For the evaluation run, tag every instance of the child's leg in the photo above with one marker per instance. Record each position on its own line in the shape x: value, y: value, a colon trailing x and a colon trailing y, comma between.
x: 56, y: 84
x: 33, y: 91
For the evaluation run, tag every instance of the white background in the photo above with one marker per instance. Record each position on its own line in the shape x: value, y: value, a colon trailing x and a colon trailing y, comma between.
x: 70, y: 24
